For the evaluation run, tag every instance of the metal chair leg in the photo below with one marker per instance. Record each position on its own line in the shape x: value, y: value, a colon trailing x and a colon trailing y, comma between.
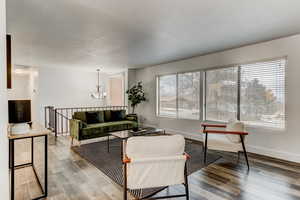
x: 205, y: 148
x: 72, y: 141
x: 125, y: 182
x: 245, y: 152
x: 108, y: 144
x: 186, y: 183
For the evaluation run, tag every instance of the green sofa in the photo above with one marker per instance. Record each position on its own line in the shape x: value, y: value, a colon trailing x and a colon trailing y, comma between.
x: 94, y: 124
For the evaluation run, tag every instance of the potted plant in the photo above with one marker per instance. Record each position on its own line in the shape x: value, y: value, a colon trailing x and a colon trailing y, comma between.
x: 136, y: 95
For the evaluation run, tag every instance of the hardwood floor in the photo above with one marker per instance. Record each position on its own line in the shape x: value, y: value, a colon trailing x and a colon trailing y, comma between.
x: 71, y: 177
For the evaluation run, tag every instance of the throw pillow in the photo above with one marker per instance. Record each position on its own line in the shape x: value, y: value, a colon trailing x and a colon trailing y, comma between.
x: 118, y: 115
x: 92, y: 118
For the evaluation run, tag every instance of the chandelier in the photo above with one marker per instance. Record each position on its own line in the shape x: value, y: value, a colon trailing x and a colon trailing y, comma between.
x: 100, y: 93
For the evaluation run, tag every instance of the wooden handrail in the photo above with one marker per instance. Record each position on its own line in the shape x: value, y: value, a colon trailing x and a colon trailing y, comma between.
x: 214, y: 125
x: 187, y: 156
x: 225, y: 132
x: 126, y: 160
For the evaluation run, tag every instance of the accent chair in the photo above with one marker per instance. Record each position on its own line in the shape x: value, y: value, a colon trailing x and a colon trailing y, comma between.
x: 155, y: 161
x: 231, y: 139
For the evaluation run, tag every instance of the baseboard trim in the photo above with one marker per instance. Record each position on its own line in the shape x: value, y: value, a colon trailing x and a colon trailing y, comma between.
x: 274, y: 153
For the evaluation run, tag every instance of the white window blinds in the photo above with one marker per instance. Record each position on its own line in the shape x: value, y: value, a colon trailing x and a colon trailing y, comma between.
x: 189, y: 95
x: 167, y: 95
x: 179, y: 95
x: 221, y: 94
x: 262, y: 89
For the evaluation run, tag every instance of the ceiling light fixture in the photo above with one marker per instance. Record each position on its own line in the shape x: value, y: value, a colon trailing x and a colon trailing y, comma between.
x: 100, y: 93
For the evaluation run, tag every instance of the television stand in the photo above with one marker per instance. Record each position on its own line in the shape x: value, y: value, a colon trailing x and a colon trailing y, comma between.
x: 36, y: 131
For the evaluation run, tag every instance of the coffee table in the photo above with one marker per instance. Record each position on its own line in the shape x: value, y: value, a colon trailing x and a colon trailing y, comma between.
x: 124, y: 135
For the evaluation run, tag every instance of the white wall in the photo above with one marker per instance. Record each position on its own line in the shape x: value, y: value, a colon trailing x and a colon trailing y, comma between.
x: 4, y: 181
x: 280, y: 144
x: 21, y: 88
x: 65, y: 87
x: 33, y: 87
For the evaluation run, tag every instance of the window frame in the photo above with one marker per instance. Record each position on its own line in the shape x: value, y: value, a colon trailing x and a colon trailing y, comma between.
x: 239, y: 66
x: 203, y: 92
x: 177, y: 107
x: 158, y: 114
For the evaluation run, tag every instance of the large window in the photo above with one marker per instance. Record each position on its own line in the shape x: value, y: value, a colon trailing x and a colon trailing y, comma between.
x: 168, y: 96
x: 253, y: 93
x: 179, y: 95
x: 189, y: 95
x: 263, y: 93
x: 221, y: 94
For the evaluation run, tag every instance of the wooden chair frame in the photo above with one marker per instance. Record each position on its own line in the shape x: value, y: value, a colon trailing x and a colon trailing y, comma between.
x: 206, y: 132
x: 127, y: 160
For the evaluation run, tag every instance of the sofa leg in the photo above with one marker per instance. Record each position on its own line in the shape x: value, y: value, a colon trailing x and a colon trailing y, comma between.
x: 75, y: 142
x: 72, y: 141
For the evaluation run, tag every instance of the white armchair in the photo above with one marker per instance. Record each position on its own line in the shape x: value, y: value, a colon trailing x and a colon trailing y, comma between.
x: 155, y: 161
x: 231, y: 139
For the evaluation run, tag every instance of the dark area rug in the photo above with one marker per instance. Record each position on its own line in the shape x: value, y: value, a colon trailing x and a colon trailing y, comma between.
x: 110, y: 162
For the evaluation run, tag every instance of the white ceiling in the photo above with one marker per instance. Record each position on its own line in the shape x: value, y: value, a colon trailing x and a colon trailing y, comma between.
x: 118, y: 34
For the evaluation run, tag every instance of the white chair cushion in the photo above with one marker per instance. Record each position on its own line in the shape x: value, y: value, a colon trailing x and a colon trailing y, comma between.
x: 155, y: 146
x: 155, y: 161
x: 151, y: 172
x: 222, y: 143
x: 235, y: 125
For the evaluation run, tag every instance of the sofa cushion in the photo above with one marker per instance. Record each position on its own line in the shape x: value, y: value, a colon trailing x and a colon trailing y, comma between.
x: 118, y: 115
x: 102, y: 129
x: 80, y: 116
x: 94, y: 117
x: 105, y: 124
x: 107, y: 115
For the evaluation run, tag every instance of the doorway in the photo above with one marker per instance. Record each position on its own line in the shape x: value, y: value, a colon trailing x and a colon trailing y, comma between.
x: 116, y: 90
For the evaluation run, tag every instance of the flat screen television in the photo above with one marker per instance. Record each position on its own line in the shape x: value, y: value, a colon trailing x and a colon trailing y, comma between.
x: 19, y: 111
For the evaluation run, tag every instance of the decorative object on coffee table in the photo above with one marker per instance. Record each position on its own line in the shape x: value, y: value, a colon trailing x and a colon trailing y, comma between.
x: 136, y: 95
